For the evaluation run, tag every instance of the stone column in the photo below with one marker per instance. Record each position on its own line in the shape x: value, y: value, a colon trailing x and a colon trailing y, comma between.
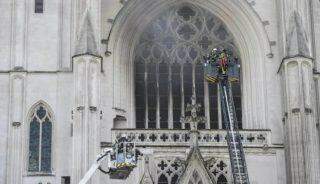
x: 301, y: 142
x: 86, y: 131
x: 16, y: 128
x: 87, y: 73
x: 302, y: 145
x: 18, y: 43
x: 316, y: 31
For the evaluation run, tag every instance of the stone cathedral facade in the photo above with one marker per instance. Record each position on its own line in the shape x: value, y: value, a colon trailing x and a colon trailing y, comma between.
x: 76, y: 74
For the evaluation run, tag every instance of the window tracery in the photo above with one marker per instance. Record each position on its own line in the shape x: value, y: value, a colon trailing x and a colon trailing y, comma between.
x: 168, y: 69
x: 222, y: 180
x: 219, y: 170
x: 168, y: 171
x: 195, y: 178
x: 40, y: 140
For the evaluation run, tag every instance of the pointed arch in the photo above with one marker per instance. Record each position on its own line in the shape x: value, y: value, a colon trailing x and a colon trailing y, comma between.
x: 174, y: 179
x: 163, y: 179
x: 40, y: 121
x: 222, y: 179
x: 243, y: 23
x: 220, y: 170
x: 195, y: 178
x: 170, y: 168
x: 168, y: 67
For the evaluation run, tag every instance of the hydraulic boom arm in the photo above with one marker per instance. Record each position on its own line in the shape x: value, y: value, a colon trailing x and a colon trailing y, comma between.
x: 101, y: 157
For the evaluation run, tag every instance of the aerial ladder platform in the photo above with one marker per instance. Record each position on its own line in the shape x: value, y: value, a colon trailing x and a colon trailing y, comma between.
x: 222, y: 68
x: 117, y: 161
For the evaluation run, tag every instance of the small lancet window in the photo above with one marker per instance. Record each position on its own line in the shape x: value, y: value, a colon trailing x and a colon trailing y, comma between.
x: 38, y: 6
x: 40, y: 140
x: 162, y: 179
x: 222, y: 180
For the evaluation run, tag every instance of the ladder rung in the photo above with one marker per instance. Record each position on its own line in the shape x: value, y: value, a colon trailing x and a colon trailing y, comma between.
x: 237, y: 158
x: 237, y: 170
x: 243, y: 176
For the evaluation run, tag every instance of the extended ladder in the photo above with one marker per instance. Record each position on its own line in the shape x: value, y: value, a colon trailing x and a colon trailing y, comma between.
x: 220, y: 67
x: 237, y: 158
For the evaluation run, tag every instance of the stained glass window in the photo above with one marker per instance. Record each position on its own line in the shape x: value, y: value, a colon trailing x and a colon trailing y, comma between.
x: 168, y: 69
x: 38, y: 6
x: 34, y: 142
x: 219, y: 170
x: 222, y: 180
x: 168, y: 171
x: 163, y: 179
x: 40, y: 140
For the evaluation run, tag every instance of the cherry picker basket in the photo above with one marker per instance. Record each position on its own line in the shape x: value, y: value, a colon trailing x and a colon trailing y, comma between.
x: 123, y: 159
x: 220, y: 62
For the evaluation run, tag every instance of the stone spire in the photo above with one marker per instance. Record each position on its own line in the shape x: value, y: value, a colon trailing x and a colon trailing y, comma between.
x: 194, y: 120
x: 86, y: 41
x: 195, y: 170
x: 146, y: 177
x: 296, y: 25
x: 301, y: 139
x: 86, y: 75
x: 297, y: 41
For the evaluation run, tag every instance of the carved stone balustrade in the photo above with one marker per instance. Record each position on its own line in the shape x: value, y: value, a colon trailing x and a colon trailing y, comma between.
x: 169, y: 137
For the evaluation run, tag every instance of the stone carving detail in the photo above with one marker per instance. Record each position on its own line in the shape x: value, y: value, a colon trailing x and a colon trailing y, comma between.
x: 219, y: 170
x: 297, y: 41
x: 146, y: 177
x: 182, y: 137
x: 168, y: 58
x: 86, y: 40
x: 169, y: 170
x: 195, y: 179
x: 40, y: 139
x: 16, y: 124
x: 182, y: 34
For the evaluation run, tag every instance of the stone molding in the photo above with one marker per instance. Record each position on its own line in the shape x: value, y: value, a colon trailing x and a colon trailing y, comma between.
x: 26, y: 137
x: 207, y: 138
x: 15, y: 150
x: 86, y: 121
x: 242, y: 22
x: 301, y: 139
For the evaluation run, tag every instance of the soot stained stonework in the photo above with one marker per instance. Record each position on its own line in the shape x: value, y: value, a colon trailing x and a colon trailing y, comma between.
x: 168, y: 69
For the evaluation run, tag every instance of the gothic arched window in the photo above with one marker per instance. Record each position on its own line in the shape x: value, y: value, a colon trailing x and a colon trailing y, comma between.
x: 220, y: 170
x: 222, y: 180
x: 168, y: 171
x: 163, y: 179
x: 40, y: 139
x: 168, y: 69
